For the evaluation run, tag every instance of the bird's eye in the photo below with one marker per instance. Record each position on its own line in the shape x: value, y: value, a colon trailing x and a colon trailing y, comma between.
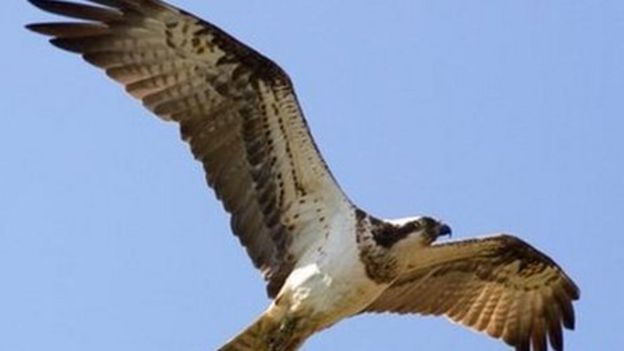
x: 416, y: 225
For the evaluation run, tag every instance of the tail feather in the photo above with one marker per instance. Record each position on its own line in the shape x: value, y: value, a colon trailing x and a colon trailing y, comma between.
x: 253, y: 338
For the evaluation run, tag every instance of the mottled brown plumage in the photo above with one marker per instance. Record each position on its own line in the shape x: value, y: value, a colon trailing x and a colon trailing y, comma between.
x: 323, y: 258
x: 191, y: 72
x: 499, y: 285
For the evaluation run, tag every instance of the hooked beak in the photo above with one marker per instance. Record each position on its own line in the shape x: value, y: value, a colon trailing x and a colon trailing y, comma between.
x: 445, y: 230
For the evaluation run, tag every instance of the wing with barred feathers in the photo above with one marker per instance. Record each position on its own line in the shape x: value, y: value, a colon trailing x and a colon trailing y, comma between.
x: 499, y: 285
x: 236, y: 109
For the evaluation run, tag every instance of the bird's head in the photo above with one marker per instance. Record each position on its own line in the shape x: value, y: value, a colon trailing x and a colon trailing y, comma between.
x: 414, y: 232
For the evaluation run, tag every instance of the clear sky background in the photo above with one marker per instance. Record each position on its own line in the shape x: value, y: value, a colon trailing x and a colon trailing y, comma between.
x: 492, y: 115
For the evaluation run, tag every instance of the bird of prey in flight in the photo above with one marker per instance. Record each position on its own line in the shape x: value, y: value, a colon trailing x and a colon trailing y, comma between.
x: 324, y: 258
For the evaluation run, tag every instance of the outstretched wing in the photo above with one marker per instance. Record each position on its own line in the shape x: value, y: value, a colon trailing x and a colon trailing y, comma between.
x: 500, y: 285
x: 236, y: 109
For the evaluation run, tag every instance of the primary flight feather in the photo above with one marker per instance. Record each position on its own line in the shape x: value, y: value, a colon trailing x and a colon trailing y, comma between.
x: 324, y: 259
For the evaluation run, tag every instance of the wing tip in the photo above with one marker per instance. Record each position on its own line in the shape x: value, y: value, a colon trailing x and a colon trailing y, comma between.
x: 67, y: 29
x: 35, y: 27
x: 77, y: 10
x: 39, y: 3
x: 66, y: 45
x: 574, y: 290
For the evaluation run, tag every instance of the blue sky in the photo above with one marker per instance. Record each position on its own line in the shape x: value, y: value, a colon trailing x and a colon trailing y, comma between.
x: 494, y: 116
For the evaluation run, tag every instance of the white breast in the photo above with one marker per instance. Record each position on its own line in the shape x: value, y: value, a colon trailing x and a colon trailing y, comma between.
x: 330, y: 281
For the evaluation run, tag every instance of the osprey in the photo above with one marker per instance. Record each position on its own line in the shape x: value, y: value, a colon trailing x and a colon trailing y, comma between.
x: 323, y: 258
